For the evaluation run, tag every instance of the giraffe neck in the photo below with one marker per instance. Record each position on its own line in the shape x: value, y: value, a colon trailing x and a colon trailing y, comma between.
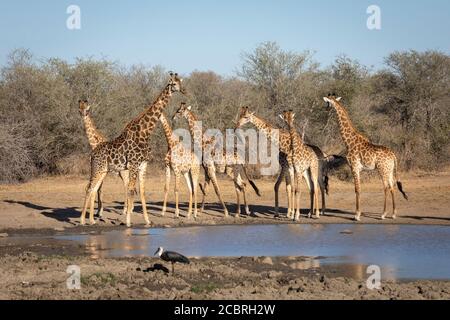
x: 267, y: 129
x: 93, y: 135
x: 171, y: 142
x: 262, y: 125
x: 145, y: 123
x: 348, y: 132
x: 195, y: 128
x: 297, y: 143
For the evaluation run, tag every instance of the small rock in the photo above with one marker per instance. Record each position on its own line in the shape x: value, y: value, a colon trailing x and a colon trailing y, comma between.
x: 267, y: 260
x: 167, y: 226
x: 59, y: 229
x: 297, y: 266
x: 273, y: 274
x: 172, y: 296
x: 291, y: 258
x: 147, y: 290
x: 346, y: 231
x: 4, y: 235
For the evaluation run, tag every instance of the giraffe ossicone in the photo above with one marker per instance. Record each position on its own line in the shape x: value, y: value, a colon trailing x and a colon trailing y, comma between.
x: 282, y: 140
x: 364, y: 155
x: 95, y: 137
x: 129, y: 151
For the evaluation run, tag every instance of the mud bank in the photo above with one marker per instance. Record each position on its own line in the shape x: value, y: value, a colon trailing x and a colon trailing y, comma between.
x: 36, y: 276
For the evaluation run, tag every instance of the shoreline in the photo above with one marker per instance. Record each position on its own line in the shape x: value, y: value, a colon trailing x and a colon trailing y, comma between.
x: 98, y: 229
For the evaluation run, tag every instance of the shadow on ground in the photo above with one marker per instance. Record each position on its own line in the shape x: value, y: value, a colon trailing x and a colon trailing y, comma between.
x: 59, y: 214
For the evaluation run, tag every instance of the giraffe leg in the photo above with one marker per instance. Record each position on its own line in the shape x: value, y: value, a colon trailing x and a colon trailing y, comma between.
x: 283, y: 174
x: 276, y: 189
x: 289, y: 194
x: 247, y: 208
x: 177, y: 184
x: 298, y: 178
x: 289, y: 200
x: 189, y: 186
x: 238, y: 202
x: 100, y: 201
x: 392, y: 189
x: 131, y: 191
x: 309, y: 183
x: 394, y: 210
x: 194, y: 180
x: 166, y: 190
x: 315, y: 189
x: 316, y: 199
x: 87, y: 199
x: 244, y: 195
x: 387, y: 179
x: 212, y: 174
x: 95, y: 186
x: 386, y: 189
x: 124, y: 175
x: 357, y: 181
x: 240, y: 187
x: 321, y: 183
x: 205, y: 188
x: 291, y: 206
x: 142, y: 171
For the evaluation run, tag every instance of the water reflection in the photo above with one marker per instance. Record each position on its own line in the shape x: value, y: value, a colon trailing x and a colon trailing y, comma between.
x: 402, y: 251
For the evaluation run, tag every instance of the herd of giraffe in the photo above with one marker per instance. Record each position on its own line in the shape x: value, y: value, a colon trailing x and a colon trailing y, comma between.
x: 129, y: 153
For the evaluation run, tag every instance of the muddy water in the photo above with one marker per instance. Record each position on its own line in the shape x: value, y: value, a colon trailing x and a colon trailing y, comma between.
x: 401, y: 251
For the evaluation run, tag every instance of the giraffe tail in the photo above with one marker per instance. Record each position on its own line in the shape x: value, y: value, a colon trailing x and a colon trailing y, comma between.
x: 329, y: 163
x: 251, y: 181
x: 326, y: 185
x: 400, y: 188
x: 399, y: 183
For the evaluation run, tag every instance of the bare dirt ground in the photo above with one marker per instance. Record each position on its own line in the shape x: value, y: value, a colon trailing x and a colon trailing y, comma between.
x: 48, y: 205
x: 32, y: 276
x: 55, y: 202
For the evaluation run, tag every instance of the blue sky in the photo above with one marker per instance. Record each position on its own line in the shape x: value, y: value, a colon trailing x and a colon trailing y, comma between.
x: 211, y: 35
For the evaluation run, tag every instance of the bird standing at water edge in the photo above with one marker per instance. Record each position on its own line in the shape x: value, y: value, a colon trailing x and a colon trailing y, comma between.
x: 172, y: 257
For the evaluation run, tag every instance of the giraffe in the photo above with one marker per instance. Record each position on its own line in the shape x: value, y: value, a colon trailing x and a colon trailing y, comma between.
x: 129, y: 151
x: 182, y: 162
x: 302, y: 160
x: 284, y: 144
x: 231, y: 166
x: 364, y: 155
x: 95, y: 138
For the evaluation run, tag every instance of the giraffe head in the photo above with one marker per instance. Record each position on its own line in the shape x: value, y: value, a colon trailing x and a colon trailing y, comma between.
x: 183, y: 111
x: 175, y: 83
x: 288, y: 116
x: 85, y: 107
x: 331, y: 99
x: 245, y: 116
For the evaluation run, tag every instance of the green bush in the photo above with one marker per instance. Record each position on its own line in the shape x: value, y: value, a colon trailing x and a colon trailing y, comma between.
x: 403, y: 106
